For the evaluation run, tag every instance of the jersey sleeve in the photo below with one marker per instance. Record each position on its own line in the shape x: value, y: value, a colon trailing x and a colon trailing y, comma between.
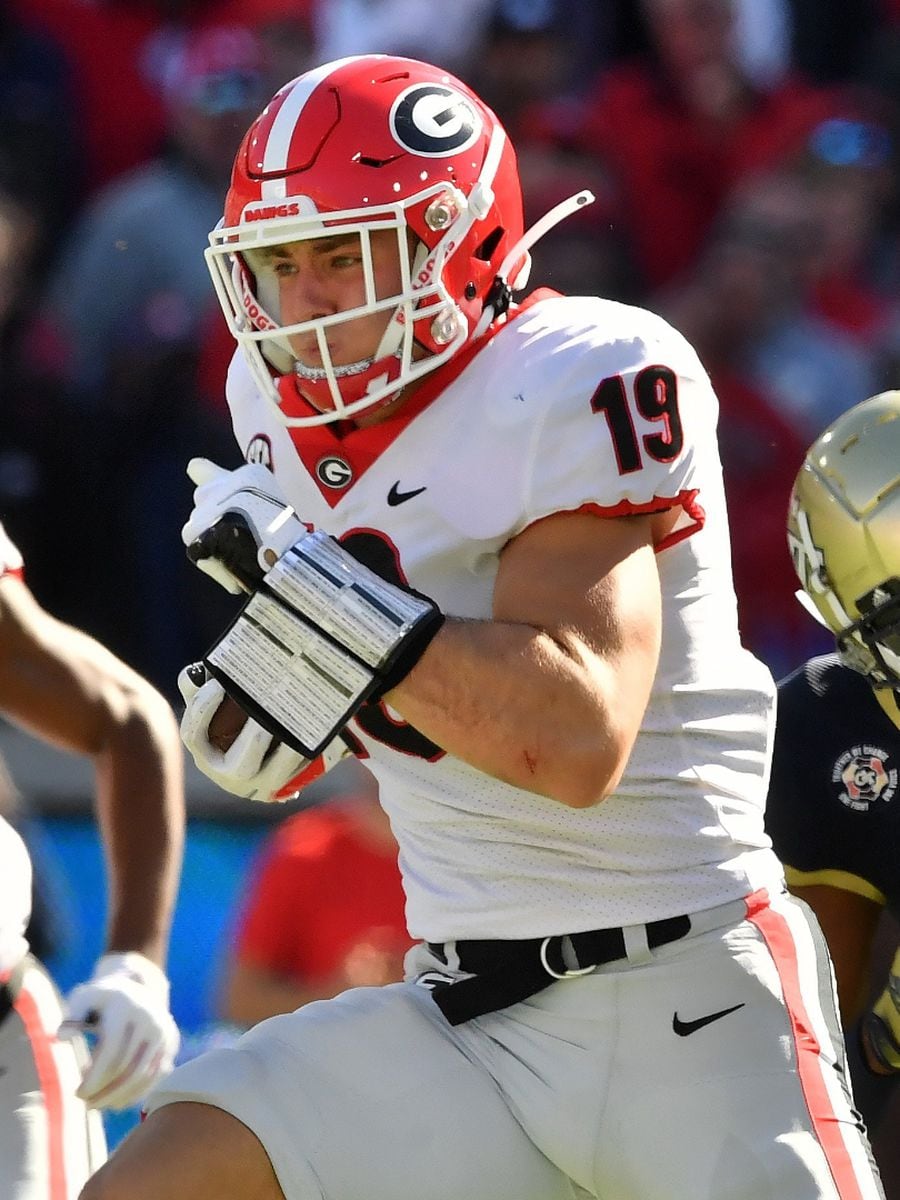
x: 581, y: 404
x: 626, y: 430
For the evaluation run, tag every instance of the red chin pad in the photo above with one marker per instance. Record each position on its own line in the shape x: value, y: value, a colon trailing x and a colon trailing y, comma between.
x: 352, y: 387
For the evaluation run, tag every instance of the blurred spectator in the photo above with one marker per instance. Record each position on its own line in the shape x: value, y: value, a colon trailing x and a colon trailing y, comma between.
x: 830, y: 37
x: 32, y: 431
x: 748, y: 303
x: 132, y: 277
x: 118, y: 54
x: 763, y: 35
x: 408, y: 27
x: 532, y: 51
x: 679, y: 126
x: 850, y: 169
x: 116, y: 102
x: 39, y: 132
x: 285, y: 29
x: 120, y: 333
x: 781, y: 372
x: 323, y: 909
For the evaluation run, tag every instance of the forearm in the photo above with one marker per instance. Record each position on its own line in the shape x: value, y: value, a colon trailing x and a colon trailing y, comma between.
x: 543, y: 713
x: 140, y: 807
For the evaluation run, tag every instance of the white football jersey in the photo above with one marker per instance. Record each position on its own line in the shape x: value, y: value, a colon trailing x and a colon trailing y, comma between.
x: 575, y: 404
x: 15, y: 865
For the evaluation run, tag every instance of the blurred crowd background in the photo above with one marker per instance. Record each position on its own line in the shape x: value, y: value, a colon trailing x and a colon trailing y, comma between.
x: 744, y: 156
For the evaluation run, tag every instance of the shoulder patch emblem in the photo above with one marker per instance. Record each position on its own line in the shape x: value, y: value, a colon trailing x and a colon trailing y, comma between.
x: 864, y: 778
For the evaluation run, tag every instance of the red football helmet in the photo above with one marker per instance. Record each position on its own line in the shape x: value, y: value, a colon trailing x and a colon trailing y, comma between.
x: 363, y: 144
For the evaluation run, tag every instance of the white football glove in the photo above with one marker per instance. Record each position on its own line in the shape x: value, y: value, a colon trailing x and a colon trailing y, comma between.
x: 125, y: 1007
x: 238, y: 552
x: 256, y: 765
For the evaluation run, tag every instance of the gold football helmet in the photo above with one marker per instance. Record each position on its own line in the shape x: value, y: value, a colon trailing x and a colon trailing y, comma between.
x: 844, y: 536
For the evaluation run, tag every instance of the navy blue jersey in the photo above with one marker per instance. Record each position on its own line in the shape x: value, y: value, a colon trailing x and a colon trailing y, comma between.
x: 833, y: 808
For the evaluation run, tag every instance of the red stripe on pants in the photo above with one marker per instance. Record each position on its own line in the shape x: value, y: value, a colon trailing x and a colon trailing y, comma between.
x: 778, y: 937
x: 48, y: 1078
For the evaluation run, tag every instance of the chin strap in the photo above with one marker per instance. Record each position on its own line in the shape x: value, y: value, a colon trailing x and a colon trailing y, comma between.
x: 499, y: 297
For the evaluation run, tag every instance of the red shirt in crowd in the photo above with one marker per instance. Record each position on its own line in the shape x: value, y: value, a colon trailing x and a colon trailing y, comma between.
x: 674, y: 169
x: 322, y: 888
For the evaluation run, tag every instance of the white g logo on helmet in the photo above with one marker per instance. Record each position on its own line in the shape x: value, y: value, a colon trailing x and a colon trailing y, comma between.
x: 434, y: 121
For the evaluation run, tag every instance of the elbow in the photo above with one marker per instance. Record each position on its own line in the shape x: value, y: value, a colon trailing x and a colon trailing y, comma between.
x: 585, y: 779
x: 137, y: 715
x: 587, y: 791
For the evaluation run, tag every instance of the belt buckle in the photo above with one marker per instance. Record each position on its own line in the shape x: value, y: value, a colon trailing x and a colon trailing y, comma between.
x: 567, y: 974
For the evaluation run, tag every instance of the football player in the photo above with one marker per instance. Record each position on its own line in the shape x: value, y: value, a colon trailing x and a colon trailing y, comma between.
x: 831, y: 809
x: 65, y: 688
x: 485, y: 542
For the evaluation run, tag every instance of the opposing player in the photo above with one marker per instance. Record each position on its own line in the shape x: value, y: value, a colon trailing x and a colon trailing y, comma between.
x: 486, y: 542
x: 65, y: 688
x: 832, y: 812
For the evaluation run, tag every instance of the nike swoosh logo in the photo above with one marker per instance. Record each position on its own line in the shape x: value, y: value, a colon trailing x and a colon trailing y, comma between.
x: 395, y: 496
x: 683, y: 1028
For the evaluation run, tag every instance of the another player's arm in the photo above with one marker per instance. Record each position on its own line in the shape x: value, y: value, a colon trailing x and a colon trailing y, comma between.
x: 63, y: 686
x: 549, y: 694
x: 251, y: 992
x: 848, y: 920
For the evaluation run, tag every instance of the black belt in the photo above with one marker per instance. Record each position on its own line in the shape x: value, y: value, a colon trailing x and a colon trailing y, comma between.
x: 506, y: 972
x: 9, y: 991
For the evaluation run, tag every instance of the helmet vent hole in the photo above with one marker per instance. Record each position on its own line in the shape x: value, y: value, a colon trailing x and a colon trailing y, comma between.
x: 485, y: 251
x: 365, y: 161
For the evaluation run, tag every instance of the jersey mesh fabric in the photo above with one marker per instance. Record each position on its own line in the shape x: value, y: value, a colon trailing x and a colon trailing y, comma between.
x: 532, y: 426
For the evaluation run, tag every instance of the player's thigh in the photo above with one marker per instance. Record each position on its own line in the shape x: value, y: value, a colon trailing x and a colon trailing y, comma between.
x: 368, y: 1097
x: 186, y: 1150
x: 49, y: 1141
x: 737, y: 1071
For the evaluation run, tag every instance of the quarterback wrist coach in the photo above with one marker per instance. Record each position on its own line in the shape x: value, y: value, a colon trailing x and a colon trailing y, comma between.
x: 318, y: 637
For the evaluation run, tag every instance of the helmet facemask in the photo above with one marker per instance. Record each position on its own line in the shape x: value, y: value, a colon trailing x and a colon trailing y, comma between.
x: 424, y: 328
x: 871, y: 645
x: 369, y: 143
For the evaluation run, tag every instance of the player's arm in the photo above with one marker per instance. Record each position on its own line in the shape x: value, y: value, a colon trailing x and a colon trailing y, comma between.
x: 252, y: 992
x: 848, y: 920
x: 67, y: 689
x: 550, y: 694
